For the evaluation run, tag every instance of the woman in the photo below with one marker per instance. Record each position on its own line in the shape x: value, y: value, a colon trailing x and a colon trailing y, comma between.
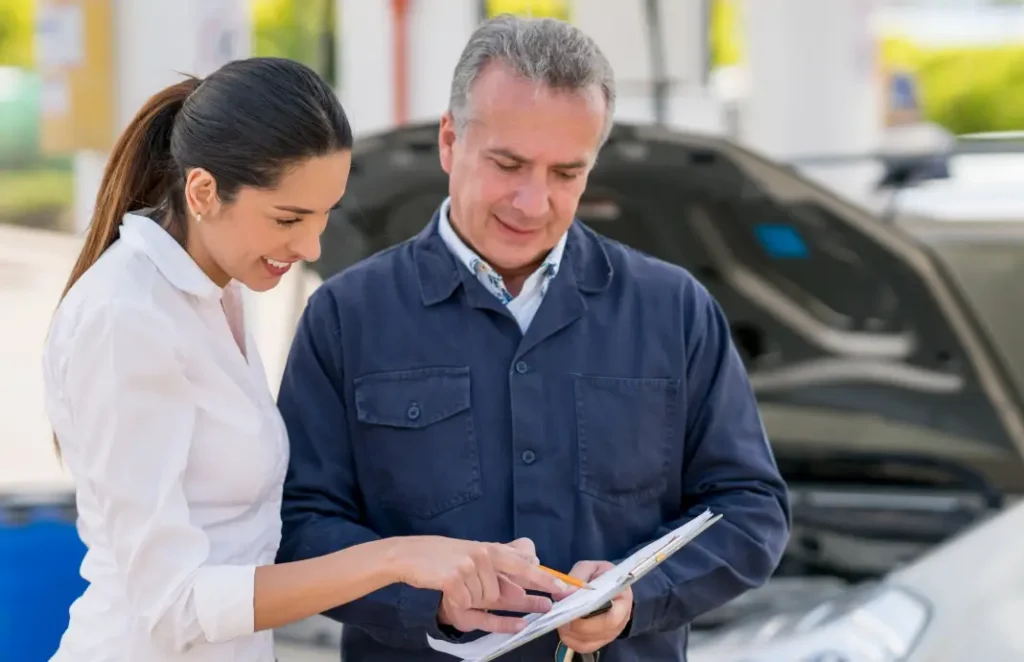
x: 159, y: 400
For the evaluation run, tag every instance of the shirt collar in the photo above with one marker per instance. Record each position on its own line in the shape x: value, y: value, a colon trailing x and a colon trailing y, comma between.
x: 469, y: 257
x: 176, y: 265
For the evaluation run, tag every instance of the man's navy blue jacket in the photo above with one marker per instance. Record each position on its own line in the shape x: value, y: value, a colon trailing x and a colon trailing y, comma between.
x: 415, y: 405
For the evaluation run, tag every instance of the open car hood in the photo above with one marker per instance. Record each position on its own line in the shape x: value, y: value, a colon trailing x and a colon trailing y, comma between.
x: 858, y: 341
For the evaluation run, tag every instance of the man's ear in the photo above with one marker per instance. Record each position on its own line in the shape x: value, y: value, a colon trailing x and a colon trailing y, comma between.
x: 201, y: 193
x: 446, y: 141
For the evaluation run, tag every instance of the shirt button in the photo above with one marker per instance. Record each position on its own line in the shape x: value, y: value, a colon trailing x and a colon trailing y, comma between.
x: 529, y: 457
x: 521, y: 367
x: 413, y: 412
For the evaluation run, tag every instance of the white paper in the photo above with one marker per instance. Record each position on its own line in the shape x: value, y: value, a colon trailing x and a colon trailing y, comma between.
x: 583, y: 601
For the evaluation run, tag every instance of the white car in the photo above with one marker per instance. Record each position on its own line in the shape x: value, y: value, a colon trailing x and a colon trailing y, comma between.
x: 961, y: 602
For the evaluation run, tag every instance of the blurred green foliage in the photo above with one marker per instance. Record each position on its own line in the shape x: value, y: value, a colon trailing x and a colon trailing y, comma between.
x: 16, y: 18
x: 964, y: 89
x: 38, y: 196
x: 302, y: 30
x: 725, y: 33
x: 559, y: 9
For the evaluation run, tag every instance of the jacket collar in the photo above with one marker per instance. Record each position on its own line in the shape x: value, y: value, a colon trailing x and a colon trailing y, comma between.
x: 439, y: 272
x: 468, y: 256
x: 174, y: 263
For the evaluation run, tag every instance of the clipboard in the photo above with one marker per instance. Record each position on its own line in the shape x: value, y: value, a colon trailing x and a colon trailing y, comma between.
x: 581, y: 603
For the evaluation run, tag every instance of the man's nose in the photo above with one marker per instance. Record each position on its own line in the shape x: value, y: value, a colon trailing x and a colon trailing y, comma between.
x: 532, y: 198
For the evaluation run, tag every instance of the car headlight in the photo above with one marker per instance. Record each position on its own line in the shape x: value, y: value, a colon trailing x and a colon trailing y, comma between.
x: 872, y: 624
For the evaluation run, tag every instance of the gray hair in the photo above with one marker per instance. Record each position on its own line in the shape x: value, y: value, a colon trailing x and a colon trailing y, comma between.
x: 553, y: 53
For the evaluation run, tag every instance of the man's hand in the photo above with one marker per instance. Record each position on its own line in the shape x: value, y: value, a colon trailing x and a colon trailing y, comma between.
x: 511, y: 598
x: 586, y: 635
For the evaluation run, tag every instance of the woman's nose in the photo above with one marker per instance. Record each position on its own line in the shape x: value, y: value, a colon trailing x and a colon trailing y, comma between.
x: 309, y: 248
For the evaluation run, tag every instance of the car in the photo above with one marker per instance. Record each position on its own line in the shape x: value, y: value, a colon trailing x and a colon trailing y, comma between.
x: 893, y: 410
x: 960, y: 602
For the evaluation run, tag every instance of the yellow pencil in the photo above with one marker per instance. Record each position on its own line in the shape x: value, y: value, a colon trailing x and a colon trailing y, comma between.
x: 568, y: 579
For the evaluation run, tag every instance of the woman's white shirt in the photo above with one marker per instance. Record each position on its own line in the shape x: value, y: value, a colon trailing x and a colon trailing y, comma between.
x: 178, y: 454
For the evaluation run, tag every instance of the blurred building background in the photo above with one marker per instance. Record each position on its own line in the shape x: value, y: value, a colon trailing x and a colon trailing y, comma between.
x: 837, y: 90
x: 942, y: 61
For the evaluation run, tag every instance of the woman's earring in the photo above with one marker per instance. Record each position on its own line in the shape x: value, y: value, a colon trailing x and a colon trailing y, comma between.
x: 199, y: 218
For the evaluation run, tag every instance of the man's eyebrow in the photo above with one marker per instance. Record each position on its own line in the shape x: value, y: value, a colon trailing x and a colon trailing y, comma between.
x: 512, y: 156
x: 508, y: 154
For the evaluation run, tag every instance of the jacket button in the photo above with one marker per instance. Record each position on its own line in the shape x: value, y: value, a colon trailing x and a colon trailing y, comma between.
x: 413, y: 412
x: 521, y: 367
x: 529, y: 457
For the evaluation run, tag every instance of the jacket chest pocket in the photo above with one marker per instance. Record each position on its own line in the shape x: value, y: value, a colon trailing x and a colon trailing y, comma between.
x: 625, y: 432
x: 418, y: 446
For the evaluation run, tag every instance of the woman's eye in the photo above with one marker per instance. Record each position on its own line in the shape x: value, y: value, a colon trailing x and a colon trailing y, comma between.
x: 288, y: 221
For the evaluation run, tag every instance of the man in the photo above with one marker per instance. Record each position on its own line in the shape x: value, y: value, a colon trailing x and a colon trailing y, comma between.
x: 508, y: 373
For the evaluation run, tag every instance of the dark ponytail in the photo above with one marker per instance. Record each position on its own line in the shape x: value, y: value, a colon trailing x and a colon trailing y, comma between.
x: 140, y: 173
x: 245, y: 123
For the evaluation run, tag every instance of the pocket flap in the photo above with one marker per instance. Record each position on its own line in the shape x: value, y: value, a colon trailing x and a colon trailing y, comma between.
x: 412, y: 398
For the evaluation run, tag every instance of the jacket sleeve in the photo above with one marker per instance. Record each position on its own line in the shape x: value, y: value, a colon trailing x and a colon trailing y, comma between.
x: 133, y: 411
x: 729, y: 468
x: 322, y: 510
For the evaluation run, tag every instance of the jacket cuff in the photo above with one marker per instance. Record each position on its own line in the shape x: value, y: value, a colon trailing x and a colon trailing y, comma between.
x: 418, y: 608
x: 650, y: 601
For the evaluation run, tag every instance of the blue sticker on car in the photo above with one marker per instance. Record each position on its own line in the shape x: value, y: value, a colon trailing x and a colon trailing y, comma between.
x: 781, y: 242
